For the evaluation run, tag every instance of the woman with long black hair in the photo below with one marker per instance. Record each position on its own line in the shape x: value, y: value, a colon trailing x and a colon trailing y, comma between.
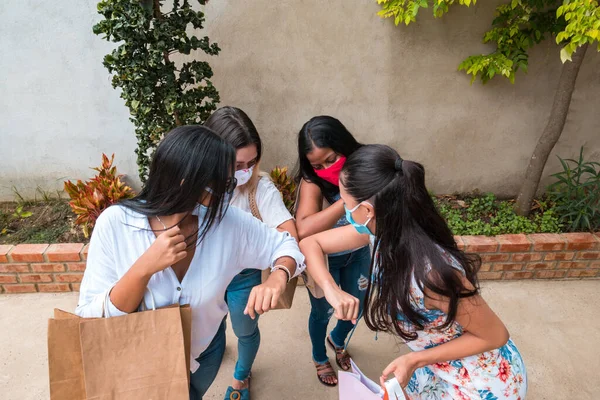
x: 324, y: 144
x: 423, y: 288
x: 179, y: 242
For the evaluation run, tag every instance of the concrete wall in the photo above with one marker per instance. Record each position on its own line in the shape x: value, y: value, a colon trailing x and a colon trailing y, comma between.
x: 58, y: 110
x: 284, y: 62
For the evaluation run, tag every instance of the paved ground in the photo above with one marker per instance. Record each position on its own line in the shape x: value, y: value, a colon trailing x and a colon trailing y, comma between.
x: 555, y: 324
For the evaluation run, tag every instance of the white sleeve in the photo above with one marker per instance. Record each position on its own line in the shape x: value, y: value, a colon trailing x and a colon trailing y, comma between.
x: 260, y: 246
x: 100, y: 274
x: 270, y: 204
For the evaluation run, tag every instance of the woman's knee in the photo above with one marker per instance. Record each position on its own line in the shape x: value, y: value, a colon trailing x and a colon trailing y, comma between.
x: 244, y: 327
x: 321, y: 314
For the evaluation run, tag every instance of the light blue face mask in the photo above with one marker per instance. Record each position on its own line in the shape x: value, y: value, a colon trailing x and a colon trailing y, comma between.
x: 363, y: 229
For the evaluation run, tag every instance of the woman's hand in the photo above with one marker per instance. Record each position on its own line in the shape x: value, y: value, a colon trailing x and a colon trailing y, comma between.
x: 168, y: 248
x: 402, y: 367
x: 265, y: 297
x: 345, y: 305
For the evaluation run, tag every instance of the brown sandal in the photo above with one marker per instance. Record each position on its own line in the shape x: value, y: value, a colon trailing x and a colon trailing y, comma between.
x: 342, y: 357
x: 326, y: 371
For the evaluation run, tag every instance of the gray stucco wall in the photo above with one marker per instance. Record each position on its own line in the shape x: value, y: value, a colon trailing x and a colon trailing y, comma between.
x: 284, y: 62
x: 58, y: 110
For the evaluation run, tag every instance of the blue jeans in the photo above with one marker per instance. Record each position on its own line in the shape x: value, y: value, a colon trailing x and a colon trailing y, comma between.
x: 210, y: 362
x: 351, y: 273
x: 244, y: 327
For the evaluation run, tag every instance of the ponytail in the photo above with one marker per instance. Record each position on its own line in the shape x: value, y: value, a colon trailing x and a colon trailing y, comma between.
x: 409, y: 235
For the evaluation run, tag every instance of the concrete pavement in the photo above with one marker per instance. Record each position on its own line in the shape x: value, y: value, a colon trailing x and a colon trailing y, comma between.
x: 554, y: 323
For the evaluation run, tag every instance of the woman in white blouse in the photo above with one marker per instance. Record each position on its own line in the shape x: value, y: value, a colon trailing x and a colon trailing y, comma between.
x: 253, y: 187
x: 180, y: 242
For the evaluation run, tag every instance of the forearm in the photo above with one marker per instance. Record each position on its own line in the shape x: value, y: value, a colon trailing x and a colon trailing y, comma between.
x: 315, y: 262
x: 287, y: 262
x: 320, y: 221
x: 129, y: 291
x: 461, y: 347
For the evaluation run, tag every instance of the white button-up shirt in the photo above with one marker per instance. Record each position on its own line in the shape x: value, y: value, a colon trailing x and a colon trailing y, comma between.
x: 238, y: 241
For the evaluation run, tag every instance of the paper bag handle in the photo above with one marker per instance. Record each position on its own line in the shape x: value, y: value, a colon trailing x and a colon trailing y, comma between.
x: 105, y: 308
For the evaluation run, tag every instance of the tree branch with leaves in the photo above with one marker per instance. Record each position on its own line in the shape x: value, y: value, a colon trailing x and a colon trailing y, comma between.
x: 517, y: 27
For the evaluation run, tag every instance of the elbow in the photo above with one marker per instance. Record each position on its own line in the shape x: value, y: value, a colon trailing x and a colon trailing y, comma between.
x: 303, y: 233
x: 501, y: 338
x: 302, y: 243
x: 305, y: 244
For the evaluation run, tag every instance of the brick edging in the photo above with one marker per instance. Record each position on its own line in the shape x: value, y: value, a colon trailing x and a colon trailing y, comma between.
x: 28, y: 268
x: 536, y: 256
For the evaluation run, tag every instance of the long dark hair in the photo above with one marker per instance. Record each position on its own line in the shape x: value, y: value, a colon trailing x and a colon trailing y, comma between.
x: 187, y: 161
x: 409, y: 234
x: 234, y: 125
x: 323, y: 132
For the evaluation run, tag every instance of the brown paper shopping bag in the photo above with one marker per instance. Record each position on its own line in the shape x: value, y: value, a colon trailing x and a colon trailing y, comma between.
x: 64, y: 357
x: 144, y: 355
x: 287, y: 297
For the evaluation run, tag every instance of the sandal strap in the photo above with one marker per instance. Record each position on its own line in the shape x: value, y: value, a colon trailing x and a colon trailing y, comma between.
x: 343, y: 357
x: 325, y: 369
x: 235, y: 395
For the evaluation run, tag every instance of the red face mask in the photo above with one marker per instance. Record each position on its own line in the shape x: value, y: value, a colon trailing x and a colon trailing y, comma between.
x: 332, y: 174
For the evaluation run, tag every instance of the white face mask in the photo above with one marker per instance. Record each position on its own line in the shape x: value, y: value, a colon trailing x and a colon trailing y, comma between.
x: 243, y: 176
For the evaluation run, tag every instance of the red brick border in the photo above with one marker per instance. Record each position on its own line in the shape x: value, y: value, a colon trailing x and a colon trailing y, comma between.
x: 28, y: 268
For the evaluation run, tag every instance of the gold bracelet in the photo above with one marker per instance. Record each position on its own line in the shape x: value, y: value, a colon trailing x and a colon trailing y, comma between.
x: 283, y: 268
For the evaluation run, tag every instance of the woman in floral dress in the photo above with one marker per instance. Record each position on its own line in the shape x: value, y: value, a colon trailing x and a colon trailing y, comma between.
x: 423, y: 289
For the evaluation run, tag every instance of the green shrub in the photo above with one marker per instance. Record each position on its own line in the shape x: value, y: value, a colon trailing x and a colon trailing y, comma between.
x: 488, y: 216
x: 576, y: 193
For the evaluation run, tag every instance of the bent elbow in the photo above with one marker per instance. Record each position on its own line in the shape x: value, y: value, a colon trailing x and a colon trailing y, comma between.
x: 303, y: 233
x: 303, y: 243
x: 502, y: 339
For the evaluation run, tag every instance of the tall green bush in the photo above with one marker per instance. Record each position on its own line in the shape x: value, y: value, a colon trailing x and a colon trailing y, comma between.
x: 160, y: 94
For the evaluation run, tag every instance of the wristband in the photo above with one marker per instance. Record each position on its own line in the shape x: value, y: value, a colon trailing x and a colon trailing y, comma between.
x: 284, y: 269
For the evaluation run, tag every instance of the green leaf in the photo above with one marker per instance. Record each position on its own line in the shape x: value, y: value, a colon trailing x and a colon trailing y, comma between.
x: 565, y: 54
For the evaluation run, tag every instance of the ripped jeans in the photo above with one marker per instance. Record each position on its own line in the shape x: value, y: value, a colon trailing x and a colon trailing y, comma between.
x: 351, y: 272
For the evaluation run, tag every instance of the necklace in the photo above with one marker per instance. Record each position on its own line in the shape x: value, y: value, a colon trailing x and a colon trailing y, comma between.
x: 163, y: 224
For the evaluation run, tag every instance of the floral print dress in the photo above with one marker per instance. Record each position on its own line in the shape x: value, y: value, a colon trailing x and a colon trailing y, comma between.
x: 496, y: 374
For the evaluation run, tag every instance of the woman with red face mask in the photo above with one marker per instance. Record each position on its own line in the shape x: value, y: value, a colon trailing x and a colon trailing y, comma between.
x: 324, y: 143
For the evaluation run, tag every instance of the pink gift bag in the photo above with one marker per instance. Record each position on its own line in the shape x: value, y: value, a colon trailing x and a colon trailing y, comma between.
x: 354, y: 385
